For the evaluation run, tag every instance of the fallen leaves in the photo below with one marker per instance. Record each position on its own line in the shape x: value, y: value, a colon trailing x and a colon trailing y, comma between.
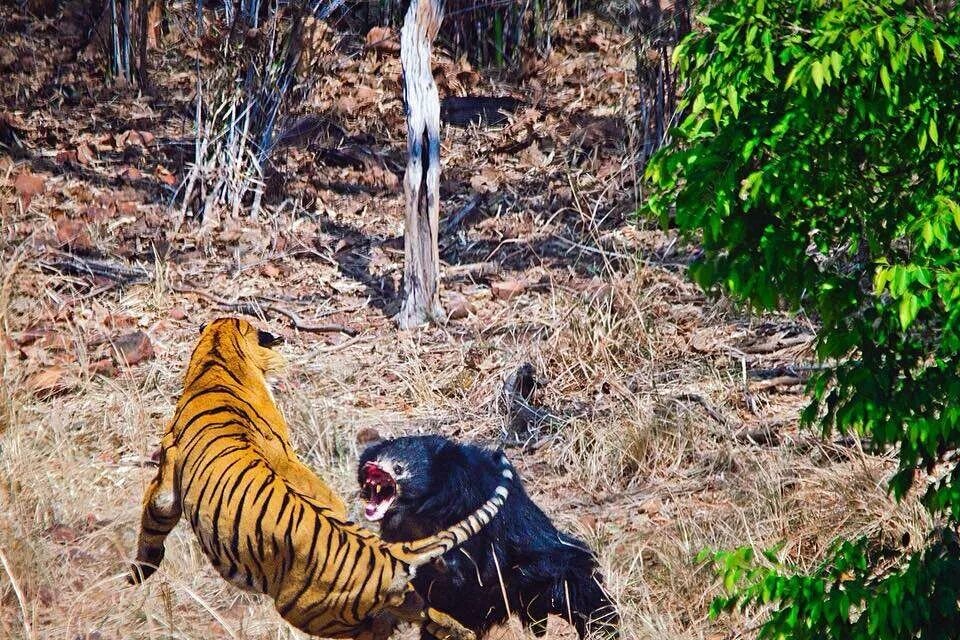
x: 507, y: 289
x: 28, y: 185
x: 73, y: 235
x: 49, y: 382
x: 487, y: 181
x: 382, y: 39
x: 458, y: 306
x: 85, y: 154
x: 133, y: 348
x: 165, y: 176
x: 133, y: 137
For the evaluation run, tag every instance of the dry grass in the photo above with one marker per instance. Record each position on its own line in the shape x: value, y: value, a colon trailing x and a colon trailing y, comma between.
x: 646, y: 478
x: 648, y: 380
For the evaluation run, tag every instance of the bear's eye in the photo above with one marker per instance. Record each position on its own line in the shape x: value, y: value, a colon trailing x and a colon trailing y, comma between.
x: 398, y: 469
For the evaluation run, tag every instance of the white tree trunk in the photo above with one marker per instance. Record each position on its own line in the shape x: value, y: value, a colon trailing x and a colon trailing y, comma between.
x: 421, y: 183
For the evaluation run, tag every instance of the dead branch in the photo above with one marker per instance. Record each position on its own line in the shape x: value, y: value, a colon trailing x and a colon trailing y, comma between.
x: 421, y: 183
x: 798, y: 371
x: 689, y: 396
x: 483, y: 111
x: 70, y: 264
x: 776, y: 343
x: 259, y: 306
x: 473, y: 270
x: 779, y: 381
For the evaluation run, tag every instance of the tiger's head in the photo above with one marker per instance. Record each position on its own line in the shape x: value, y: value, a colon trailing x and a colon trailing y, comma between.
x: 239, y: 341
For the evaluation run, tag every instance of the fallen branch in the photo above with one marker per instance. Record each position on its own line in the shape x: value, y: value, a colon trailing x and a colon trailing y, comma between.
x: 776, y: 343
x: 689, y: 396
x: 784, y: 381
x: 797, y: 371
x: 473, y: 270
x: 258, y: 307
x: 483, y: 111
x: 69, y: 264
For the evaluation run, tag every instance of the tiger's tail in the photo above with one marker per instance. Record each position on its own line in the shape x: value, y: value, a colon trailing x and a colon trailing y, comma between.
x: 420, y: 552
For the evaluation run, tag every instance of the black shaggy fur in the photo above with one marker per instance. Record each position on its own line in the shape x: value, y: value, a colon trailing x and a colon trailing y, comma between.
x: 544, y: 570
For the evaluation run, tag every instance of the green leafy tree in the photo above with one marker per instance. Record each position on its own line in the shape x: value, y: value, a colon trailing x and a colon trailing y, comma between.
x: 818, y: 166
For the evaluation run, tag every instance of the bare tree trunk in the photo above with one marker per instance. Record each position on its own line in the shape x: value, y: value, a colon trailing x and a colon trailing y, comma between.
x: 421, y: 184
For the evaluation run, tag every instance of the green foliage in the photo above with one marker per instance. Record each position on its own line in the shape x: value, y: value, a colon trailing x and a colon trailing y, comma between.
x: 818, y: 166
x: 851, y: 596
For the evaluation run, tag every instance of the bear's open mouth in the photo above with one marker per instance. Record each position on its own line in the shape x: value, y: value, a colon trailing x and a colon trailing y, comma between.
x: 378, y: 491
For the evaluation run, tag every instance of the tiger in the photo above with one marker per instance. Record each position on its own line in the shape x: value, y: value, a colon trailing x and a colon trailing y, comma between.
x: 265, y: 521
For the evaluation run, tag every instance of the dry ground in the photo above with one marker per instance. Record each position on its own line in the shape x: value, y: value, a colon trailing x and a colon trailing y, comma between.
x: 674, y: 429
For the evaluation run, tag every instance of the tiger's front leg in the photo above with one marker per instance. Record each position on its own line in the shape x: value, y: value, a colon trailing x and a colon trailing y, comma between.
x: 161, y: 512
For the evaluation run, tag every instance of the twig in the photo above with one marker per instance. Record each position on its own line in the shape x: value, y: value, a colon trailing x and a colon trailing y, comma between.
x: 257, y: 306
x: 689, y: 396
x: 20, y: 599
x: 300, y: 325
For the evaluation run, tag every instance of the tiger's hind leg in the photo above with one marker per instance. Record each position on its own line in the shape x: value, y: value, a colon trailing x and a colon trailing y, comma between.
x: 161, y: 512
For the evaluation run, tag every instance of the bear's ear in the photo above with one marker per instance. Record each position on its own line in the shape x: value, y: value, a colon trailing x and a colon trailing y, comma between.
x: 368, y: 437
x: 203, y: 327
x: 268, y: 340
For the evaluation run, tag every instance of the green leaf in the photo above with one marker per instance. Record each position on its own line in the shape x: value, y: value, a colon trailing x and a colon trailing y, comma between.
x: 941, y: 170
x: 926, y: 233
x: 790, y: 201
x: 835, y: 61
x: 880, y: 280
x: 816, y: 72
x: 732, y: 99
x: 917, y: 45
x: 792, y: 76
x: 699, y: 103
x: 908, y: 309
x: 768, y: 69
x: 937, y: 52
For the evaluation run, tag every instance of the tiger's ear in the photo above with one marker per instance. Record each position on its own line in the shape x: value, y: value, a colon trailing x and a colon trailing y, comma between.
x: 268, y: 340
x: 203, y: 327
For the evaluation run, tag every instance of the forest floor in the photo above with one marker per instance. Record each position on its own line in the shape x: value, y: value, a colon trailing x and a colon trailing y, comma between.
x: 674, y: 416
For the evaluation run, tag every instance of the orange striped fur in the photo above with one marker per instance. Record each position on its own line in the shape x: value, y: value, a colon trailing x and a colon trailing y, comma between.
x: 266, y: 522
